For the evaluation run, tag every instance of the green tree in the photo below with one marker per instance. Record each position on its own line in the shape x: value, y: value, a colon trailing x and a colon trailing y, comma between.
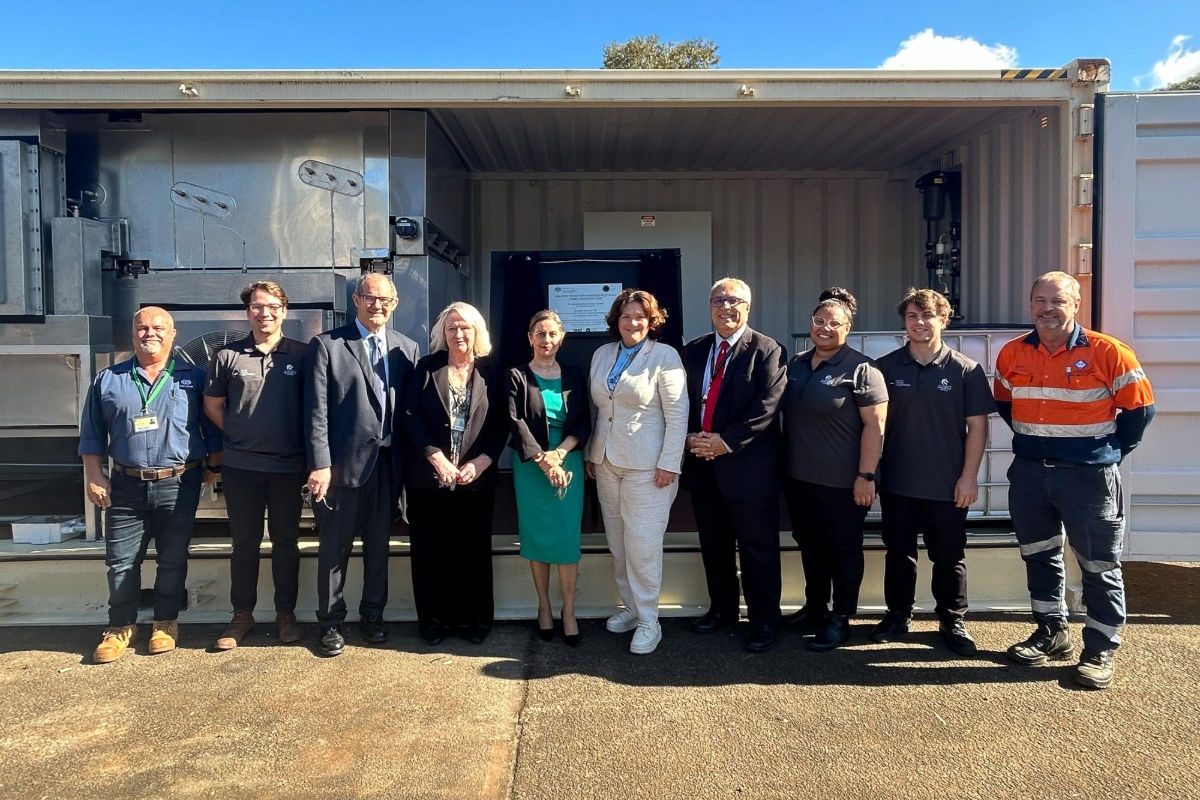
x: 648, y: 52
x: 1187, y: 83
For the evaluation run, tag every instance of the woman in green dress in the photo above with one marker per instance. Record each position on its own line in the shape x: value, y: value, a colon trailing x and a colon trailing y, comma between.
x: 550, y: 421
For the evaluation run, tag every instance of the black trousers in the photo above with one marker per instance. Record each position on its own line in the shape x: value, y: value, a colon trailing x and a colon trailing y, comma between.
x: 944, y: 529
x: 828, y: 526
x: 451, y: 544
x: 249, y: 493
x: 732, y: 530
x: 365, y: 511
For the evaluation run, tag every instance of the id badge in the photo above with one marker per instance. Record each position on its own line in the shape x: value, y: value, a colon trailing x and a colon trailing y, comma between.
x: 458, y: 422
x: 144, y: 423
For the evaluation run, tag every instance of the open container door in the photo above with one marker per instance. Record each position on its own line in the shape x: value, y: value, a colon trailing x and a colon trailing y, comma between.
x: 1149, y: 278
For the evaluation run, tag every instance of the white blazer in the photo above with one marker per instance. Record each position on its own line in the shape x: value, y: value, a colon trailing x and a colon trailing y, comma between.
x: 643, y: 423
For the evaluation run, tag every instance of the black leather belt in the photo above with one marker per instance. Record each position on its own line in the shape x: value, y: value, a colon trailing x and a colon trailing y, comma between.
x: 154, y: 474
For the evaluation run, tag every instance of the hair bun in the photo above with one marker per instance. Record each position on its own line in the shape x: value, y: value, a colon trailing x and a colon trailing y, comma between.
x: 841, y: 295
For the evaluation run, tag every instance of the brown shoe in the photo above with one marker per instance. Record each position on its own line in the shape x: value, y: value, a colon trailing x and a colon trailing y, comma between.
x: 287, y: 627
x: 164, y: 636
x: 243, y: 623
x: 114, y: 643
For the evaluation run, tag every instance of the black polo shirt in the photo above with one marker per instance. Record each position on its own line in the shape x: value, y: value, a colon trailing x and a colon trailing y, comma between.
x: 821, y: 415
x: 928, y: 406
x: 264, y: 398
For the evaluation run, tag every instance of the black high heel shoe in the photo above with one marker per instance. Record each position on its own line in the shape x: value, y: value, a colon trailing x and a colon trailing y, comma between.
x: 545, y: 634
x: 572, y: 639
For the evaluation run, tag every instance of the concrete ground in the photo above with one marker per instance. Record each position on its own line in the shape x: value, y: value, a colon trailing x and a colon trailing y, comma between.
x: 519, y: 718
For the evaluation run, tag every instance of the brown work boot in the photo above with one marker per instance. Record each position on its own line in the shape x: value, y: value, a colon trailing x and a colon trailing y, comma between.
x: 287, y: 627
x: 243, y: 623
x: 163, y: 636
x: 114, y: 643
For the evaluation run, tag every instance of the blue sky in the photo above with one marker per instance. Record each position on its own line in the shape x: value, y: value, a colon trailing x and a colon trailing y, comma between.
x: 1147, y: 48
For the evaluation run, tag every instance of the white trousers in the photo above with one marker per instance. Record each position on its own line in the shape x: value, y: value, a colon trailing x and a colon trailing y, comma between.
x: 635, y: 518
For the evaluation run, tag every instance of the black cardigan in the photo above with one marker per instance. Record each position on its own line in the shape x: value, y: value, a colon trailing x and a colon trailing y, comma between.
x: 528, y: 427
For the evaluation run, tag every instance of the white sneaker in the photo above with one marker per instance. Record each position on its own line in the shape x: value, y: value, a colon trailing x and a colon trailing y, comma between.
x: 648, y: 635
x: 622, y: 622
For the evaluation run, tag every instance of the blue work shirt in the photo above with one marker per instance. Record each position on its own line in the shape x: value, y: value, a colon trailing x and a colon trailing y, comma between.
x: 113, y: 401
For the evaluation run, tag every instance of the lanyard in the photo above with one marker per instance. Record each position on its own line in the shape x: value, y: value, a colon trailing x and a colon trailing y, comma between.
x: 155, y: 388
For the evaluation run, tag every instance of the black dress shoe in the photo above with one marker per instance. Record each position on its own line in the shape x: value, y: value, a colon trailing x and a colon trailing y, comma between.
x: 332, y: 642
x: 835, y: 634
x: 713, y: 621
x: 432, y: 632
x: 372, y: 629
x: 762, y: 638
x: 893, y: 626
x: 807, y: 621
x: 477, y: 632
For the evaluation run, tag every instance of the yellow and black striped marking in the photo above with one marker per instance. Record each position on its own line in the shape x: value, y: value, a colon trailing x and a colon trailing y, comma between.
x: 1033, y: 74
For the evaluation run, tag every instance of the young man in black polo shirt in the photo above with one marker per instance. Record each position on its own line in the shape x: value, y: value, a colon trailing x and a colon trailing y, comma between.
x: 938, y: 405
x: 255, y: 394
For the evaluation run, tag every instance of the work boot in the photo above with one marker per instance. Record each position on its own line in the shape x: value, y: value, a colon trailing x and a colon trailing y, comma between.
x: 287, y: 628
x: 835, y: 634
x: 163, y: 636
x: 1095, y: 670
x: 113, y: 643
x: 1050, y: 642
x: 243, y: 623
x: 954, y: 633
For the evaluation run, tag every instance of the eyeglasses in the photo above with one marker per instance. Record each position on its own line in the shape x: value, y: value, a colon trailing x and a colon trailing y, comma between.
x: 259, y: 308
x: 372, y: 299
x: 821, y: 322
x: 721, y: 302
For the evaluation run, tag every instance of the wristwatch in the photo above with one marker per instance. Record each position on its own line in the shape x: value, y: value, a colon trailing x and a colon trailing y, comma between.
x: 867, y: 476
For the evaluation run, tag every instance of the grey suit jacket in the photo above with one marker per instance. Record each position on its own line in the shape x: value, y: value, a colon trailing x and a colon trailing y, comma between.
x: 642, y: 424
x: 343, y: 414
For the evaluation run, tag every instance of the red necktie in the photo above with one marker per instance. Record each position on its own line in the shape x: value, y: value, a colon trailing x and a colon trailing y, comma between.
x: 714, y: 387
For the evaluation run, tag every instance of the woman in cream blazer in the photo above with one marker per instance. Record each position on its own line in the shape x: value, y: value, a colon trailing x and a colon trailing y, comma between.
x: 638, y: 390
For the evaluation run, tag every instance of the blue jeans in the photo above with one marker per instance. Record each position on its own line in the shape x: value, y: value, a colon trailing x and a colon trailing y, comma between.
x: 163, y: 510
x: 1085, y: 500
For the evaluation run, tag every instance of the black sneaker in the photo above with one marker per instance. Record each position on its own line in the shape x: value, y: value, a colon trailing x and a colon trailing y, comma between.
x: 1047, y: 644
x: 332, y: 643
x: 954, y: 634
x: 893, y: 626
x: 1095, y: 670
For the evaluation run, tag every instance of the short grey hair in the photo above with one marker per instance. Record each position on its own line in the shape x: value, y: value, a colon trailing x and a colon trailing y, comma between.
x: 1055, y: 277
x: 741, y: 285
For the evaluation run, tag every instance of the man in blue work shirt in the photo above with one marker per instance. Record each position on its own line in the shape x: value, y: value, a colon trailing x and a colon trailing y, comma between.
x: 147, y: 415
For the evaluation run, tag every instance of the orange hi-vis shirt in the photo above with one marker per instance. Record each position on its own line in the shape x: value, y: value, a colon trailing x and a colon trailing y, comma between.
x: 1068, y: 405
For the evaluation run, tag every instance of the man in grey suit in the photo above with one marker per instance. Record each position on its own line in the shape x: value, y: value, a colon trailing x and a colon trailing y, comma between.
x: 354, y: 377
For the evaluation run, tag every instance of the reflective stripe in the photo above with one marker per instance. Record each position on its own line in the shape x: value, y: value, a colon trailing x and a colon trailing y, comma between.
x: 1001, y: 380
x: 1112, y: 632
x: 1066, y: 395
x: 1056, y: 431
x: 1048, y: 607
x: 1053, y: 543
x: 1133, y: 376
x: 1094, y: 567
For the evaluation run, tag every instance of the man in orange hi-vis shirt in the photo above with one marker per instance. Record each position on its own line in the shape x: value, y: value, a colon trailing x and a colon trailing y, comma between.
x: 1077, y: 402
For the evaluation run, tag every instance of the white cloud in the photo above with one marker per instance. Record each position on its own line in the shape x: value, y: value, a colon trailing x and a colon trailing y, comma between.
x: 927, y: 50
x: 1180, y: 63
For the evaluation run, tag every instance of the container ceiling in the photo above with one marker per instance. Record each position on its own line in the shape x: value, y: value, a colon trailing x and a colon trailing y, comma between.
x: 875, y: 138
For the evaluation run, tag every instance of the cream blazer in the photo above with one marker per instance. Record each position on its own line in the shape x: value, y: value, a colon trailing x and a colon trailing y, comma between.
x: 643, y: 423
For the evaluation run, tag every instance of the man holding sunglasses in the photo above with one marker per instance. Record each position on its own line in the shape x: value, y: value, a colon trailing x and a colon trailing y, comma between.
x: 354, y: 377
x: 254, y: 394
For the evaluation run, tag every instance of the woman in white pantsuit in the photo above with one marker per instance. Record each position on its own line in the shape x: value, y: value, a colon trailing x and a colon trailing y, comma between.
x: 639, y: 392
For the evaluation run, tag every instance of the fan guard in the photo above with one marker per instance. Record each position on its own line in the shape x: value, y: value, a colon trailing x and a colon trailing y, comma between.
x: 199, y: 351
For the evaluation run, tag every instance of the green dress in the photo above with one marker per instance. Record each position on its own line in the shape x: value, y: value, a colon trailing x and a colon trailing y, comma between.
x: 548, y: 524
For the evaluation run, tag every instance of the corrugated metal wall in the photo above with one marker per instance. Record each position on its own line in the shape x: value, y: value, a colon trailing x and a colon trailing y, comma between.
x: 790, y: 236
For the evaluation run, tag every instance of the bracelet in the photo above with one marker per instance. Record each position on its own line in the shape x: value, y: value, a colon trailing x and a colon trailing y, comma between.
x: 214, y: 470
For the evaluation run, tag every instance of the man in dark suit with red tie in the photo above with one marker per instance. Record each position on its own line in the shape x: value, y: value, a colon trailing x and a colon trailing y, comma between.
x: 355, y: 376
x: 736, y: 378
